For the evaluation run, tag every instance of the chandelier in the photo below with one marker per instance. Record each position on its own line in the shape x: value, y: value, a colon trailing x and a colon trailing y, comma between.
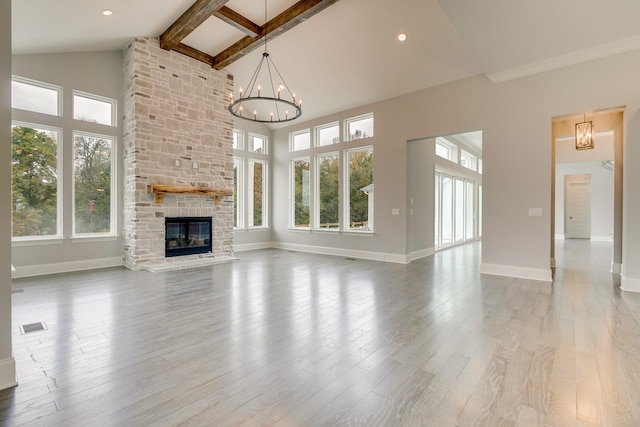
x: 584, y: 135
x: 273, y: 103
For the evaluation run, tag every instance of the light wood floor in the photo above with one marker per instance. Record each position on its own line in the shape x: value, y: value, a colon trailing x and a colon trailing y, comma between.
x: 293, y: 339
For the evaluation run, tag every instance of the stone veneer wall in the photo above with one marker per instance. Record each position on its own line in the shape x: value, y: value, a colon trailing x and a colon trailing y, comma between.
x: 174, y: 110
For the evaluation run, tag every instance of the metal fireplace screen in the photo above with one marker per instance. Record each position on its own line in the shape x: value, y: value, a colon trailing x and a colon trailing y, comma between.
x: 186, y: 236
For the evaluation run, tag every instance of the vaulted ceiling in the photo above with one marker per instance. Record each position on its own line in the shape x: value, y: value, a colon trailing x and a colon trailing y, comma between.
x: 346, y: 53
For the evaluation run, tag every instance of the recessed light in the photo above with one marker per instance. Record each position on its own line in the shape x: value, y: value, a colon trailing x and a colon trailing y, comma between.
x: 402, y: 37
x: 107, y: 12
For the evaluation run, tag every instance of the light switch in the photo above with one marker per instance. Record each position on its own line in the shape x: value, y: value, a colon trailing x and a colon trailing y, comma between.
x: 176, y: 162
x: 395, y: 211
x: 195, y: 165
x: 535, y: 211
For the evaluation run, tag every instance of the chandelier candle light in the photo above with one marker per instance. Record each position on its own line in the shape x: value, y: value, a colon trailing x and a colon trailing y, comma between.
x: 268, y: 104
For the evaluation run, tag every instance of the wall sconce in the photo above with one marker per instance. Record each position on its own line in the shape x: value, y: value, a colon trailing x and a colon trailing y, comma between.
x: 584, y: 135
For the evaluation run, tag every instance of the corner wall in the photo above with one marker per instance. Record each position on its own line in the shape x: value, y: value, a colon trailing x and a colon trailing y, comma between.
x: 7, y: 362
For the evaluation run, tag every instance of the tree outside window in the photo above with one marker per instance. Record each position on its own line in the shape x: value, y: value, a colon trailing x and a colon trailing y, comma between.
x: 301, y: 183
x: 328, y: 193
x: 360, y: 165
x: 34, y: 181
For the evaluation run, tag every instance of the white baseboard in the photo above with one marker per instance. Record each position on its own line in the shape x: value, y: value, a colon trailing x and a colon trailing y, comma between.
x: 539, y: 274
x: 66, y: 267
x: 628, y: 284
x: 351, y: 253
x: 253, y: 246
x: 8, y: 373
x: 559, y: 236
x: 601, y: 239
x: 423, y: 253
x: 616, y: 268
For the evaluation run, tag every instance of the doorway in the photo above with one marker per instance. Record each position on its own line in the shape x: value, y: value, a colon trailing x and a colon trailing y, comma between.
x: 586, y: 193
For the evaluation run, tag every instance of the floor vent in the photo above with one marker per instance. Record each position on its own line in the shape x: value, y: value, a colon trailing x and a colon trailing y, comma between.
x: 32, y: 327
x: 350, y: 259
x: 16, y: 291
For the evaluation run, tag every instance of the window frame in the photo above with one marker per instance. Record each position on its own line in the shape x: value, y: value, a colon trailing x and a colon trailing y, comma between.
x: 59, y: 184
x: 347, y: 122
x: 265, y: 196
x: 112, y: 182
x: 292, y: 193
x: 42, y: 85
x: 292, y: 138
x: 90, y: 96
x: 250, y: 147
x: 346, y: 225
x: 321, y: 128
x: 317, y: 203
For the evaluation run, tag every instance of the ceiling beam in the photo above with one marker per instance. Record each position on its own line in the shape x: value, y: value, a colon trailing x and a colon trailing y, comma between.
x: 238, y: 21
x: 194, y: 53
x: 199, y: 12
x: 302, y: 10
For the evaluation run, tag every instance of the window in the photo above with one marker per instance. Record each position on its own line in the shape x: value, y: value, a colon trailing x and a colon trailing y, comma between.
x: 36, y: 96
x: 257, y: 199
x: 237, y: 192
x: 250, y: 172
x: 446, y: 149
x: 92, y: 184
x: 300, y: 140
x: 257, y: 143
x: 34, y: 180
x: 301, y: 193
x: 327, y: 134
x: 359, y: 189
x: 468, y: 160
x: 238, y: 140
x: 459, y: 211
x: 327, y: 207
x: 359, y: 127
x: 469, y: 210
x: 480, y: 166
x: 455, y: 207
x: 94, y: 109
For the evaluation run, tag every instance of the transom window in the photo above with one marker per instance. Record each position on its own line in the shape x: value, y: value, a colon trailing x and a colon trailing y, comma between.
x: 94, y: 109
x: 446, y: 149
x: 39, y: 97
x: 327, y: 134
x: 359, y: 127
x: 300, y: 140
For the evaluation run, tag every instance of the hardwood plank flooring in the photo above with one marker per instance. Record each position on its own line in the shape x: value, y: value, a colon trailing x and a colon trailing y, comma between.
x: 291, y: 339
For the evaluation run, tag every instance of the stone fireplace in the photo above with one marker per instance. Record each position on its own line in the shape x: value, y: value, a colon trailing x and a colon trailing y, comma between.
x: 177, y: 133
x: 187, y: 236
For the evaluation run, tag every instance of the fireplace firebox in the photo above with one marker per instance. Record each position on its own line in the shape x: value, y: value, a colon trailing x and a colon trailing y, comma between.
x: 187, y: 236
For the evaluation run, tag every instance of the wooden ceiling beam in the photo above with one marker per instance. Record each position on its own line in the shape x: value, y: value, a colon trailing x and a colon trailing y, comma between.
x: 299, y: 12
x: 194, y: 53
x: 199, y: 12
x: 238, y: 21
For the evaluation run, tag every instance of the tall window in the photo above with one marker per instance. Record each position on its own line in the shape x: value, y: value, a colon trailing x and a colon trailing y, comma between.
x: 92, y: 183
x: 301, y: 193
x: 250, y: 175
x: 34, y: 180
x: 359, y: 188
x: 328, y: 191
x: 454, y: 220
x: 257, y: 199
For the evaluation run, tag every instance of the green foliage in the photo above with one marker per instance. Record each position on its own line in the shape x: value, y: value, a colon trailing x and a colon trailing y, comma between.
x: 360, y: 175
x: 257, y: 193
x: 329, y: 192
x: 301, y: 193
x: 34, y: 180
x: 92, y: 185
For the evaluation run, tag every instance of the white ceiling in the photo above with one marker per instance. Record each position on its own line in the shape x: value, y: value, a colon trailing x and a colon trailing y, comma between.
x: 348, y: 55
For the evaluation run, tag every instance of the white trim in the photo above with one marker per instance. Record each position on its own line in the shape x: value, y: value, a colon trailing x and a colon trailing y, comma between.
x: 253, y: 246
x: 352, y: 253
x: 560, y: 237
x: 66, y: 267
x: 616, y: 268
x: 423, y: 253
x: 8, y: 376
x: 573, y: 58
x: 601, y: 239
x: 18, y: 242
x: 539, y: 274
x: 630, y: 285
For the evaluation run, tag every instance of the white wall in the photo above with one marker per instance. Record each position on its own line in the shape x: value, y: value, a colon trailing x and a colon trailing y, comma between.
x: 7, y: 363
x: 601, y: 197
x: 515, y: 118
x: 97, y: 73
x: 419, y: 210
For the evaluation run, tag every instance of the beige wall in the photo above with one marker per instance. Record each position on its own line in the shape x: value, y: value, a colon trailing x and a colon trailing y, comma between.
x: 7, y: 363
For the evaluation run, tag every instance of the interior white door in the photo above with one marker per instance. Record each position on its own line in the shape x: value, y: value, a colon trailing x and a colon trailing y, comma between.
x: 578, y: 210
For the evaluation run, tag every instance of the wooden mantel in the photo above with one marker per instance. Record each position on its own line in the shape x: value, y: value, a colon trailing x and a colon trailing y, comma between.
x: 159, y: 190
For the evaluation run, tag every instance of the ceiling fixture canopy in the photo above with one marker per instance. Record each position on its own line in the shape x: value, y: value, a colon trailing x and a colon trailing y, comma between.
x: 273, y: 103
x: 584, y: 135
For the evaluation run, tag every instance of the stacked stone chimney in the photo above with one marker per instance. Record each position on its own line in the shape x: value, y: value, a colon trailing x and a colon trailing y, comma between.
x: 177, y: 131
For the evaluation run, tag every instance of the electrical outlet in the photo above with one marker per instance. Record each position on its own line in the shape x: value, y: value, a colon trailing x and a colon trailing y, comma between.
x: 176, y: 162
x: 395, y: 211
x: 194, y: 165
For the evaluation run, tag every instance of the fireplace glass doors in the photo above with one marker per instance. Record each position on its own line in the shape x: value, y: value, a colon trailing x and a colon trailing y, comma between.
x: 187, y: 236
